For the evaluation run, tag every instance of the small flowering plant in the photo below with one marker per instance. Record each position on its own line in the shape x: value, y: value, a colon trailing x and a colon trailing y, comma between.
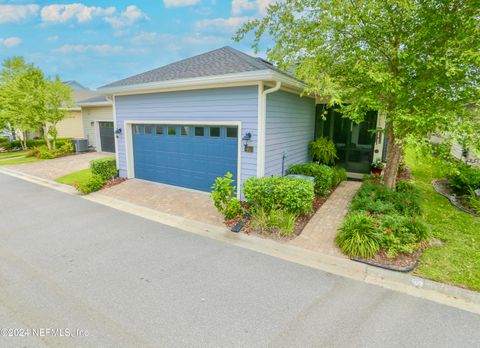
x: 377, y: 165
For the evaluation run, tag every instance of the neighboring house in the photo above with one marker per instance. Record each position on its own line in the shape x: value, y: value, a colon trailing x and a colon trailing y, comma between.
x: 97, y: 123
x: 189, y: 122
x: 91, y: 117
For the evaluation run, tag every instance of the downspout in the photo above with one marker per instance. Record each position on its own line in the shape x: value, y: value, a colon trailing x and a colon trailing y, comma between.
x: 261, y: 129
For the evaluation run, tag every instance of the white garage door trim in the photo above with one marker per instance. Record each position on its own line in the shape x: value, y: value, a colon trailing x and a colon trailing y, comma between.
x: 129, y: 142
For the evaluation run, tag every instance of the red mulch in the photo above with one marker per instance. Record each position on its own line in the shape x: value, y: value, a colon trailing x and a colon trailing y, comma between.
x: 113, y: 182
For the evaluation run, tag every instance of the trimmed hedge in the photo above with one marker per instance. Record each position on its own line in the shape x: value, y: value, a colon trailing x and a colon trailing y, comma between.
x: 280, y: 193
x: 32, y: 143
x: 104, y: 167
x: 326, y: 178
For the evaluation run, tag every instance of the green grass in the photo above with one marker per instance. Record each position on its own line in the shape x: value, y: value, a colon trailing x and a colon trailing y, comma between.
x: 457, y: 262
x: 80, y: 177
x: 11, y: 154
x: 19, y: 160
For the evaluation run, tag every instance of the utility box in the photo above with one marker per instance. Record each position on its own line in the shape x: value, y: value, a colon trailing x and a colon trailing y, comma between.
x: 80, y: 145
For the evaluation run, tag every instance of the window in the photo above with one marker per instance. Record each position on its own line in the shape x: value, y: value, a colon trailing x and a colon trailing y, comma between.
x: 184, y: 130
x: 232, y: 132
x: 199, y: 131
x: 159, y: 130
x: 214, y: 131
x: 172, y: 130
x: 149, y: 129
x: 137, y: 129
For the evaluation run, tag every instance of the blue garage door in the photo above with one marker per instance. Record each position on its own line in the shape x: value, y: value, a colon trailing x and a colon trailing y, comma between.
x: 187, y: 156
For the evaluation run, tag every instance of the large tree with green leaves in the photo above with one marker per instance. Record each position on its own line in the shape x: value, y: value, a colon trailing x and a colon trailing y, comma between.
x: 415, y: 61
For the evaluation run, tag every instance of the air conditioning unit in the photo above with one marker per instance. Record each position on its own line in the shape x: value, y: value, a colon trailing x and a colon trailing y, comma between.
x: 80, y: 145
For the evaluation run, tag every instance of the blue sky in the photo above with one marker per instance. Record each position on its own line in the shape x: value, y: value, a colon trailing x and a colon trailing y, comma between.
x: 97, y: 42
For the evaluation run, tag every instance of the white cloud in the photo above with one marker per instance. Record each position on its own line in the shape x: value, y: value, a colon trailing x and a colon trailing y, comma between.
x: 241, y: 6
x: 62, y: 13
x: 180, y: 3
x: 17, y: 13
x: 53, y: 38
x: 221, y: 24
x: 10, y: 41
x: 131, y: 15
x: 100, y: 49
x: 151, y: 37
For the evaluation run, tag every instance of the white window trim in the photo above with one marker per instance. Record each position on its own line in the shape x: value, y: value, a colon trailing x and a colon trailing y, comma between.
x: 129, y: 142
x: 115, y: 127
x: 98, y: 140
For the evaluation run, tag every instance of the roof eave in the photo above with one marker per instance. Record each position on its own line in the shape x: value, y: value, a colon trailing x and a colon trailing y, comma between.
x: 215, y: 80
x: 95, y: 104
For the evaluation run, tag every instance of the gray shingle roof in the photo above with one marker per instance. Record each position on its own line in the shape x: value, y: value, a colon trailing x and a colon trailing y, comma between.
x: 225, y: 60
x: 93, y: 100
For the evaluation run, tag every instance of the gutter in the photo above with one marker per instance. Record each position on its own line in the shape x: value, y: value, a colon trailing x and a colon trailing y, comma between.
x: 261, y: 128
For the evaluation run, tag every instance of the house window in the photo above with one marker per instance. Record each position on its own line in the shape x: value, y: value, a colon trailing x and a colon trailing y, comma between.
x: 159, y: 130
x: 137, y: 129
x: 172, y: 130
x: 199, y: 131
x: 148, y: 129
x: 214, y: 131
x: 232, y: 132
x: 184, y: 130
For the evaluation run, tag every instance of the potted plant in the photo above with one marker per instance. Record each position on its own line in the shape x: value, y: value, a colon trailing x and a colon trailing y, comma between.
x: 377, y: 167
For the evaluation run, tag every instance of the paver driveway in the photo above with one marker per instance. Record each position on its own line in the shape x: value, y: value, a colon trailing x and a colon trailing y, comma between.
x: 66, y: 262
x: 55, y: 168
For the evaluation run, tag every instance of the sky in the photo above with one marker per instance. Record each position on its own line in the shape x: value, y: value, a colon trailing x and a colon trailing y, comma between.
x: 98, y: 42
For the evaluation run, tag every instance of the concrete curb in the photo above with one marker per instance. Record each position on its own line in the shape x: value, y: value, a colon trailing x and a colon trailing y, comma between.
x: 405, y: 283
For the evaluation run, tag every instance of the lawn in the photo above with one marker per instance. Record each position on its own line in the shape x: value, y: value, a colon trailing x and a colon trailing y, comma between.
x: 11, y: 154
x: 457, y: 262
x: 80, y: 177
x: 19, y: 160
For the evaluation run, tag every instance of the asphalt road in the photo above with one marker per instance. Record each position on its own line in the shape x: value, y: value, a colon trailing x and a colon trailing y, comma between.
x: 67, y: 263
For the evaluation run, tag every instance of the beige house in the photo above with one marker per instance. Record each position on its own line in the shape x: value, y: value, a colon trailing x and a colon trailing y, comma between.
x: 91, y: 118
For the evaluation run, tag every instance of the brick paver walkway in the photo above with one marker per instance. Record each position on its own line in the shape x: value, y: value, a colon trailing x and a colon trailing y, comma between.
x: 320, y: 232
x: 55, y: 168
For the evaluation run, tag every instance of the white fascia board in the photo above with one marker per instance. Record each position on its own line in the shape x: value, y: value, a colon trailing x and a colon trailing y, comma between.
x: 95, y: 104
x: 208, y: 82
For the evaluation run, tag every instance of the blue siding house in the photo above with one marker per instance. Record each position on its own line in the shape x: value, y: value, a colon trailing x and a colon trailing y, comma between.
x: 189, y: 122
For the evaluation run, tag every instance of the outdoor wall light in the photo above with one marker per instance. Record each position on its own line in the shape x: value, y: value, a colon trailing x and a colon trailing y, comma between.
x: 246, y: 138
x: 118, y: 131
x: 92, y: 123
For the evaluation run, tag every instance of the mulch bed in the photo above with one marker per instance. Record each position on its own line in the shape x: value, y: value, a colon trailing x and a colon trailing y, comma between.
x: 113, y: 182
x: 300, y: 224
x: 401, y: 263
x: 443, y: 187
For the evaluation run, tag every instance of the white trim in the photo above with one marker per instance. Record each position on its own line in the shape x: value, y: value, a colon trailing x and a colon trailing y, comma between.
x: 235, y: 79
x: 378, y: 145
x: 261, y: 129
x: 90, y: 105
x: 98, y: 138
x: 114, y: 109
x: 129, y: 142
x: 259, y: 125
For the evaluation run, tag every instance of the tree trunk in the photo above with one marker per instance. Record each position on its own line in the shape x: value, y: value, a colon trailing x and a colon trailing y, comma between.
x: 47, y: 140
x: 24, y: 140
x: 394, y: 154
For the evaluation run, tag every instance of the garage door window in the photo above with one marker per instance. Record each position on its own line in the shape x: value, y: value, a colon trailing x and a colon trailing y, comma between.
x: 184, y: 130
x: 214, y: 131
x: 159, y: 130
x: 172, y: 130
x: 149, y: 129
x: 137, y: 129
x: 232, y: 132
x: 199, y: 131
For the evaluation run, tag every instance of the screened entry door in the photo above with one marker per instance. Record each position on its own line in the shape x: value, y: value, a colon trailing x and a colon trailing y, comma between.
x: 354, y: 142
x: 187, y: 156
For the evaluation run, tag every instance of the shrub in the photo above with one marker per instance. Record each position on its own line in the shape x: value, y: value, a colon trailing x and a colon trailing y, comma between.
x: 405, y: 186
x: 323, y: 150
x: 326, y: 178
x: 32, y: 143
x: 93, y: 184
x: 464, y: 177
x: 372, y: 178
x: 32, y: 153
x: 358, y: 236
x: 64, y: 148
x: 104, y: 167
x: 274, y: 221
x: 473, y: 201
x: 289, y: 194
x: 223, y: 195
x: 44, y: 153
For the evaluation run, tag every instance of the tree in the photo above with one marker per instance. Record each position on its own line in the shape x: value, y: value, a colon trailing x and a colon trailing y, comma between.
x: 20, y: 106
x: 415, y: 61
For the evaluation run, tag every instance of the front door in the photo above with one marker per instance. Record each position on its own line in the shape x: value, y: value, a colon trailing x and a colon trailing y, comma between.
x: 355, y: 142
x: 107, y: 136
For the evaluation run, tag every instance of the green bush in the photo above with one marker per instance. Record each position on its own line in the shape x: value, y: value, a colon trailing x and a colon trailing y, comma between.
x: 358, y: 236
x: 323, y: 150
x: 405, y: 186
x: 223, y: 195
x: 94, y: 184
x: 464, y: 177
x: 104, y: 167
x: 32, y: 143
x: 274, y: 221
x: 44, y: 153
x: 326, y: 178
x: 293, y: 195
